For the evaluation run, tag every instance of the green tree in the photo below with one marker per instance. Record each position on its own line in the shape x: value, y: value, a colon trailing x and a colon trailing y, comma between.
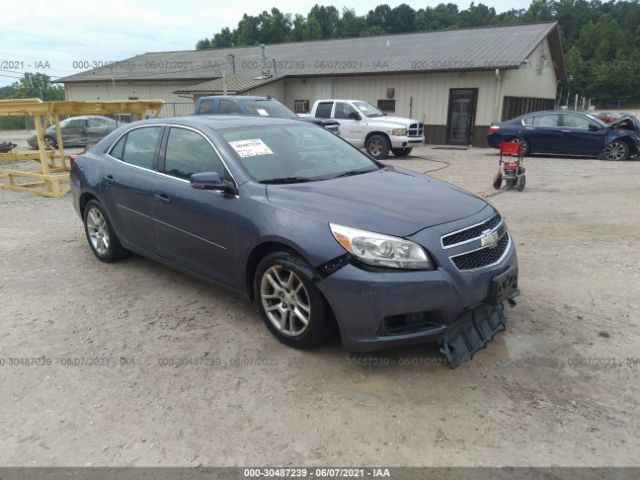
x: 312, y: 30
x: 350, y: 25
x: 327, y: 18
x: 223, y: 39
x: 403, y: 19
x: 247, y: 32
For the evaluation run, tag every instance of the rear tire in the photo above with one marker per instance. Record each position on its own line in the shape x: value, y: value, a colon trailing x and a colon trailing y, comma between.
x: 100, y: 234
x: 378, y: 146
x: 525, y: 149
x: 401, y: 152
x: 521, y: 183
x: 290, y: 305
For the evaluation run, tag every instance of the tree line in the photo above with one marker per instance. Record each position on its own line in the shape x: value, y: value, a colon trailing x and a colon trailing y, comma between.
x: 601, y: 40
x: 30, y: 85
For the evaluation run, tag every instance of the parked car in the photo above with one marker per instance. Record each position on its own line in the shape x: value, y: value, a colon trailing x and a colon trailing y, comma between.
x: 77, y: 131
x: 255, y: 106
x: 571, y: 133
x: 365, y: 126
x: 307, y: 225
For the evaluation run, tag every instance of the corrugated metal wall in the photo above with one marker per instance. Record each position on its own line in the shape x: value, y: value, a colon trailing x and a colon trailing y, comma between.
x: 142, y: 90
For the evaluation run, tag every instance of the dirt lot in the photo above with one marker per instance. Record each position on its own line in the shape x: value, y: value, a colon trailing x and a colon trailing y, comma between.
x: 150, y: 367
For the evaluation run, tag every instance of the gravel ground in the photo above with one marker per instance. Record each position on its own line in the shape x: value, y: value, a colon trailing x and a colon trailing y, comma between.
x: 145, y: 366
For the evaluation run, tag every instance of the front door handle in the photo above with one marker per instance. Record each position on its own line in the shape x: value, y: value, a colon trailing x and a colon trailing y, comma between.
x: 109, y: 179
x: 566, y: 131
x: 163, y: 197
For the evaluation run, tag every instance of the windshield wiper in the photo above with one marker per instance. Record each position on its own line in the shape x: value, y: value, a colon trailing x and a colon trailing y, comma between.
x: 285, y: 180
x: 354, y: 172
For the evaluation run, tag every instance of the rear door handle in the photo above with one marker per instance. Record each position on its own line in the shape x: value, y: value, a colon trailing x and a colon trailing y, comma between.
x: 566, y: 131
x: 163, y: 197
x: 109, y: 179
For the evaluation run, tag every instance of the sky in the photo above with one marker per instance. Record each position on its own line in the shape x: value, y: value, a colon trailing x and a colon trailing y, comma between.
x: 68, y: 36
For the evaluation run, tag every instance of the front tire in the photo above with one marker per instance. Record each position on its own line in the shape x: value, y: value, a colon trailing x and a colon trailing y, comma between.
x: 290, y: 305
x: 378, y: 146
x: 401, y: 152
x: 100, y: 234
x: 616, y: 151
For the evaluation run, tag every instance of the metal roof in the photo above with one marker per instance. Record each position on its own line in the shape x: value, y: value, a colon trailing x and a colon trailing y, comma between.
x: 447, y: 50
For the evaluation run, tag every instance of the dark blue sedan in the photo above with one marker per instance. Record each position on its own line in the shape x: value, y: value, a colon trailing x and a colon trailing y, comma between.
x: 319, y: 234
x: 570, y: 133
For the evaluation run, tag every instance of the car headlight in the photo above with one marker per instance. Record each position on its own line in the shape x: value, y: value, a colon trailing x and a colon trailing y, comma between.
x: 382, y: 250
x: 399, y: 132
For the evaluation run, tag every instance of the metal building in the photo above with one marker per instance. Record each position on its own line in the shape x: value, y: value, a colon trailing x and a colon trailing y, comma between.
x: 456, y: 81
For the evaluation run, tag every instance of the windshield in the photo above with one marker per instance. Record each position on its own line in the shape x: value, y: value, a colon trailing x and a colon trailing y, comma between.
x: 596, y: 120
x: 267, y: 108
x: 368, y: 110
x: 295, y: 153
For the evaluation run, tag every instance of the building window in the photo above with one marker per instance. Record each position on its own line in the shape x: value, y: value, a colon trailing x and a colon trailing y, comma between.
x: 387, y: 105
x: 513, y: 107
x: 301, y: 106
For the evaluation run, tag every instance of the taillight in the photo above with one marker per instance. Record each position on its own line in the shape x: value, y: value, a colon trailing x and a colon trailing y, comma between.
x: 72, y: 159
x: 494, y: 128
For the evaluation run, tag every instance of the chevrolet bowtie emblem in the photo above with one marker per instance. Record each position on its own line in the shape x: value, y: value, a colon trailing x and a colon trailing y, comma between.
x: 489, y: 239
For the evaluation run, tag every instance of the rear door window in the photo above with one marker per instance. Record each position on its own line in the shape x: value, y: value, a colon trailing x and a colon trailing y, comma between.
x: 139, y: 147
x: 323, y: 110
x: 550, y: 120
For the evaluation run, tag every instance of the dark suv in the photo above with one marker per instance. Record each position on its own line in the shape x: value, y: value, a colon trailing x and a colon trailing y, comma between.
x: 258, y: 107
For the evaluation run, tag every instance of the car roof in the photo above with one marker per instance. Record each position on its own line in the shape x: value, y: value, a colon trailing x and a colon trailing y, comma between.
x: 216, y: 122
x: 88, y: 116
x: 553, y: 112
x: 237, y: 97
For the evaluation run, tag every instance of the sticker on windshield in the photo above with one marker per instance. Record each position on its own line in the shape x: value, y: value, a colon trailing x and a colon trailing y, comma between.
x: 262, y: 112
x: 252, y: 147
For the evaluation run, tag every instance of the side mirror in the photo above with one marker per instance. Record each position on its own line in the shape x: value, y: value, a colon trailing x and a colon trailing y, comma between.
x: 212, y: 181
x: 355, y: 116
x: 593, y: 128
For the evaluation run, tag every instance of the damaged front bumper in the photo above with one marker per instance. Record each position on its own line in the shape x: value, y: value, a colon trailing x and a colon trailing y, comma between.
x: 459, y: 311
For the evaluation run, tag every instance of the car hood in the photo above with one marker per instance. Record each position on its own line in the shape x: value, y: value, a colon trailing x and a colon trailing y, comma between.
x: 392, y: 121
x: 393, y: 201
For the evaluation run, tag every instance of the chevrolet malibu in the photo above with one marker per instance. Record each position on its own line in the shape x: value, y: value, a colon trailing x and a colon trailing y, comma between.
x: 320, y: 235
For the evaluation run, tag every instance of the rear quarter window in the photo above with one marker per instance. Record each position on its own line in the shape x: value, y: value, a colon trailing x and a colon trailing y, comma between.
x: 323, y: 110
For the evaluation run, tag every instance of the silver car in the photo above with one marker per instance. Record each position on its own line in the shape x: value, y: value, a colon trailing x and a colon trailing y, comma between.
x: 77, y: 131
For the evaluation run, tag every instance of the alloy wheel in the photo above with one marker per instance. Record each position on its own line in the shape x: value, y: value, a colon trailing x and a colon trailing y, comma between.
x: 615, y: 151
x: 285, y: 300
x: 98, y: 231
x: 48, y: 143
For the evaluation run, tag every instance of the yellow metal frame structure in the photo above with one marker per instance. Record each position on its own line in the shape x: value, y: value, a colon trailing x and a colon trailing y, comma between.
x: 52, y: 178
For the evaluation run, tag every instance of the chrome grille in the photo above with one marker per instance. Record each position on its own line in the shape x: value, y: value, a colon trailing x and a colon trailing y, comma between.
x: 482, y: 257
x: 470, y: 233
x: 415, y: 130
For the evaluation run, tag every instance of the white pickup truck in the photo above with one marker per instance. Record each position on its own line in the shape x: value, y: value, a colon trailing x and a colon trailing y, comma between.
x: 364, y: 126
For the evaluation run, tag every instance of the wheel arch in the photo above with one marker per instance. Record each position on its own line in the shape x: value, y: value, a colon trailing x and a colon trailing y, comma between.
x: 631, y: 145
x: 377, y: 132
x: 276, y: 245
